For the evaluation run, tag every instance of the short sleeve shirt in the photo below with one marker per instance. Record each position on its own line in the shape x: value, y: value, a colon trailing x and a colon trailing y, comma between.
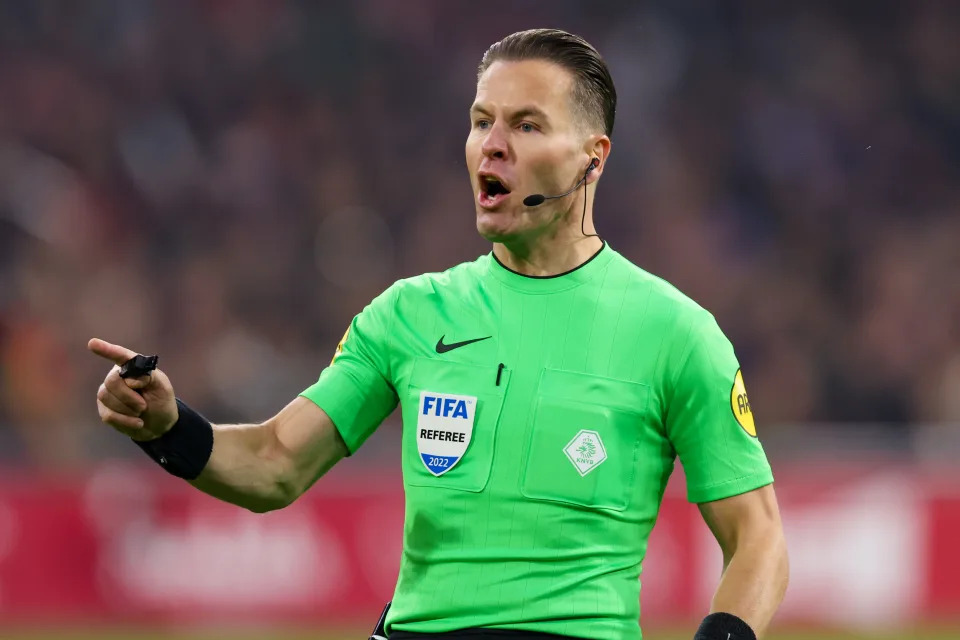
x: 541, y: 421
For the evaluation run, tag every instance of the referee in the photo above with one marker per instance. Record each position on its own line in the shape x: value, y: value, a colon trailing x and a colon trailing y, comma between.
x: 546, y: 390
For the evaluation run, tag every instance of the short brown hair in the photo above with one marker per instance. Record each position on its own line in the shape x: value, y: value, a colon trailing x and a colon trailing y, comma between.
x: 593, y: 92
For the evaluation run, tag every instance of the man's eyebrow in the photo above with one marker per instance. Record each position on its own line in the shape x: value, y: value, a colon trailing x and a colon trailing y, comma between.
x: 479, y: 108
x: 519, y: 114
x: 528, y: 112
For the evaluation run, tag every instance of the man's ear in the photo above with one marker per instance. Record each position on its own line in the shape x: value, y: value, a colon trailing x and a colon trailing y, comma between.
x: 598, y: 148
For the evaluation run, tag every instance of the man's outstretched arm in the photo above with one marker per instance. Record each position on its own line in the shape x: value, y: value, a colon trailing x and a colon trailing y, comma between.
x: 267, y: 466
x: 257, y: 466
x: 755, y: 564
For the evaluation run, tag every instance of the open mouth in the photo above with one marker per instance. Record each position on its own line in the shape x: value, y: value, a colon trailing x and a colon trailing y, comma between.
x: 492, y: 191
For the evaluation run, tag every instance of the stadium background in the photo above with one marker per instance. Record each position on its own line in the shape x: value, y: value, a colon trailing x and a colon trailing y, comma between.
x: 226, y: 183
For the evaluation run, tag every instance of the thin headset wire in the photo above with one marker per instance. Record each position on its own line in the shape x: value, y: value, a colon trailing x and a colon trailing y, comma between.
x: 583, y: 218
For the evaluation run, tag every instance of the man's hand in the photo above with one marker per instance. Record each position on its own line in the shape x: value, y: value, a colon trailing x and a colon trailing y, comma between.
x: 143, y: 408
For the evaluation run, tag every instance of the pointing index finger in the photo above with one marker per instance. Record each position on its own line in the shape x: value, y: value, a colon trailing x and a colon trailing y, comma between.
x: 113, y: 352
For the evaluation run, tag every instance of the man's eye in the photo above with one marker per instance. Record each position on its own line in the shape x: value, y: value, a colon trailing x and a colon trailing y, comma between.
x: 526, y: 127
x: 482, y: 124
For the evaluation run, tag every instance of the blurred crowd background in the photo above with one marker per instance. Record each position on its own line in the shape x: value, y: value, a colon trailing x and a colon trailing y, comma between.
x: 227, y: 182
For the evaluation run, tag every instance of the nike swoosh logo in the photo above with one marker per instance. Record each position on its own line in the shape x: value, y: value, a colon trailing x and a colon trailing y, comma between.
x: 443, y: 348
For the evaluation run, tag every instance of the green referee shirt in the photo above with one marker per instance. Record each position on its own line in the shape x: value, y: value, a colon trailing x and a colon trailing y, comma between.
x: 541, y: 420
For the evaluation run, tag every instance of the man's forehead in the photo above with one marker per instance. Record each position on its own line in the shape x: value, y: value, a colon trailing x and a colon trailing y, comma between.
x: 524, y: 85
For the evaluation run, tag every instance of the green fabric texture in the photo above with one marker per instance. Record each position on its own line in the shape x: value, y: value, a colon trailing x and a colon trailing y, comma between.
x: 589, y: 387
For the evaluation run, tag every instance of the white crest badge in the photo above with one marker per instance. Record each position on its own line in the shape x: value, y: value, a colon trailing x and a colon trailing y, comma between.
x: 586, y: 451
x: 444, y: 429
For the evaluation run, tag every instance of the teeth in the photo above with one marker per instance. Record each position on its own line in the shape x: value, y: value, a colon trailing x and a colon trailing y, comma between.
x: 492, y: 187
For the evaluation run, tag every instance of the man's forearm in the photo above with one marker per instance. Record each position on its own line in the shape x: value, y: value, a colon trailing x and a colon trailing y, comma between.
x: 754, y: 581
x: 246, y: 469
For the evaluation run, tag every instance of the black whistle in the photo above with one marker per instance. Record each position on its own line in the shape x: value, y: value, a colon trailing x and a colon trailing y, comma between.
x: 138, y: 365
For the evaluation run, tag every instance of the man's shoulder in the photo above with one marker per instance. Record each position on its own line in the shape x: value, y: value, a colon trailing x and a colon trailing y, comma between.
x: 429, y: 288
x: 463, y: 274
x: 664, y: 297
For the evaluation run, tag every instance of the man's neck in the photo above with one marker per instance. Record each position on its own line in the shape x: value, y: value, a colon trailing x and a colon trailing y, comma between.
x: 547, y: 258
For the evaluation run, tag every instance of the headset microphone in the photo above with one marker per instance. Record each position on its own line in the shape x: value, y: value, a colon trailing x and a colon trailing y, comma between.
x: 538, y: 198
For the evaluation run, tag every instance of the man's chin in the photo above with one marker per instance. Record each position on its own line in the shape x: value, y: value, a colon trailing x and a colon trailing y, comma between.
x: 494, y: 228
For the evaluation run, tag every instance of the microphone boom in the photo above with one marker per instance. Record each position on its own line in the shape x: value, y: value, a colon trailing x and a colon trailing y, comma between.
x: 537, y: 199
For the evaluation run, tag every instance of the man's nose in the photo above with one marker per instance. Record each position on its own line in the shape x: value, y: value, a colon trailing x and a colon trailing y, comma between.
x: 495, y: 145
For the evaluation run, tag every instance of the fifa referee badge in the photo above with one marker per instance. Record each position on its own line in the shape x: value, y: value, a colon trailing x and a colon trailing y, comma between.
x: 444, y: 429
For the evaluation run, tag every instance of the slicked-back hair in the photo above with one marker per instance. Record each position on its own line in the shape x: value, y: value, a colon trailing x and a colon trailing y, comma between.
x: 594, y: 96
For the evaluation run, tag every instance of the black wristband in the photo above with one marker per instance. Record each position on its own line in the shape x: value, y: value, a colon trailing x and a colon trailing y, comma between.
x: 185, y: 449
x: 724, y: 626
